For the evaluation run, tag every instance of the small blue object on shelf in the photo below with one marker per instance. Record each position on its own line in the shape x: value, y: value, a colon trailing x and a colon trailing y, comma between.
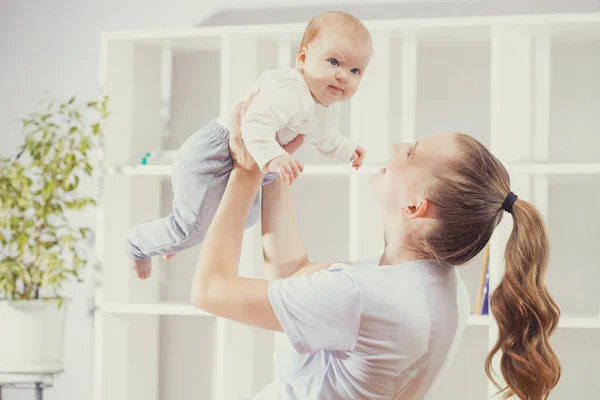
x: 160, y: 157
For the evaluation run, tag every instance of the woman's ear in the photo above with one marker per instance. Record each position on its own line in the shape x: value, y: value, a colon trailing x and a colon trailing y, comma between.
x: 418, y: 210
x: 301, y: 56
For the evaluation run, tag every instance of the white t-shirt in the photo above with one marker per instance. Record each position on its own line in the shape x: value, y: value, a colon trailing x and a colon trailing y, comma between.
x: 283, y: 109
x: 366, y: 331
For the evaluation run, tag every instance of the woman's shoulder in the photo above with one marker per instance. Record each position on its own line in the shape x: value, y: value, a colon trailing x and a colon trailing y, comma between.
x: 404, y: 279
x: 406, y: 267
x: 366, y: 262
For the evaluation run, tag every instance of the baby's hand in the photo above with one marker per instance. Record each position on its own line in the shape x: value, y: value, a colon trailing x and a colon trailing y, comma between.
x: 358, y: 157
x: 287, y: 167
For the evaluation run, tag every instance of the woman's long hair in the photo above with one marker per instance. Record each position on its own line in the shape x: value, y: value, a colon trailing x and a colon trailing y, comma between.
x: 468, y: 193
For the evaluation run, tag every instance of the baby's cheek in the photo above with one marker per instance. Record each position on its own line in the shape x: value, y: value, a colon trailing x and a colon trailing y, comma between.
x: 352, y: 90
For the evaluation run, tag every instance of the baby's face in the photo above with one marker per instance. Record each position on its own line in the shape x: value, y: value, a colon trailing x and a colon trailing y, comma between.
x: 333, y: 65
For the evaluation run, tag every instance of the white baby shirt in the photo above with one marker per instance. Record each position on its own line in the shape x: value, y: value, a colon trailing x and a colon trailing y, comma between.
x: 366, y: 331
x: 283, y: 109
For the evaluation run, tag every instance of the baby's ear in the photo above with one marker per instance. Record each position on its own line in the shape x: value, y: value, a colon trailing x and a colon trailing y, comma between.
x: 301, y: 56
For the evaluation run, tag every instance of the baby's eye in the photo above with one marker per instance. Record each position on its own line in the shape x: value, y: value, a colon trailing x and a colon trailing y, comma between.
x: 355, y: 71
x: 334, y: 62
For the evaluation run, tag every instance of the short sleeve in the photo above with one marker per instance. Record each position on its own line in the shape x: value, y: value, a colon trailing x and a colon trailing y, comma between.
x: 320, y: 311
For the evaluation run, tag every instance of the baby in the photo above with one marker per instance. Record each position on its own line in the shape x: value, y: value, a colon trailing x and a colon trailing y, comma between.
x: 332, y: 58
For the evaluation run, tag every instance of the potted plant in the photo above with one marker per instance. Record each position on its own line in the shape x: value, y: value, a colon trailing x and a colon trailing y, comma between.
x: 39, y: 249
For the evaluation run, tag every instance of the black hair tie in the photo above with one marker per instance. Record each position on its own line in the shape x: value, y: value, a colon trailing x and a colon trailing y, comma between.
x: 509, y: 201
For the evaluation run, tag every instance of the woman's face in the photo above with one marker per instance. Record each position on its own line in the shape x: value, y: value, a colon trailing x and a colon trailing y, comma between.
x: 403, y: 181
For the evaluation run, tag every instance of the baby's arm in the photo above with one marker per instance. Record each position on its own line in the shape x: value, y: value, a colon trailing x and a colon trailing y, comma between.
x: 336, y: 145
x: 328, y: 140
x: 271, y: 110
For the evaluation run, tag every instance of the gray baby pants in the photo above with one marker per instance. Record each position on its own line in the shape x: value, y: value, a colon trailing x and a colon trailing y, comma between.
x: 200, y: 175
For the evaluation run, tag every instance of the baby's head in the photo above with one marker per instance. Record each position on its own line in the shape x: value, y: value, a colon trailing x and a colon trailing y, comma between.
x: 334, y: 54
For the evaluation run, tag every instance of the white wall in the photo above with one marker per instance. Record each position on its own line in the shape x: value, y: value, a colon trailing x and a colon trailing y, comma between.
x: 54, y: 47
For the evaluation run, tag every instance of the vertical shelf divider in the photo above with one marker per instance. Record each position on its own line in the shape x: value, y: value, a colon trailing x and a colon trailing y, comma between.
x: 129, y: 348
x: 541, y: 119
x: 284, y: 55
x: 235, y: 357
x: 511, y: 115
x: 369, y: 127
x: 408, y: 80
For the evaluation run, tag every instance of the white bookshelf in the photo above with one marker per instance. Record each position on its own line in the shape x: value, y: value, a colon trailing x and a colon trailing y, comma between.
x: 525, y: 86
x: 158, y: 308
x: 324, y: 169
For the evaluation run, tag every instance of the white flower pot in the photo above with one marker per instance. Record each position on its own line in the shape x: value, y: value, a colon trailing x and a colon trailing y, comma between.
x: 31, y: 336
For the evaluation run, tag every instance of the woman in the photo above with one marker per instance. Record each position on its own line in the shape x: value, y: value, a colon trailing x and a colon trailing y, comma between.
x: 387, y: 328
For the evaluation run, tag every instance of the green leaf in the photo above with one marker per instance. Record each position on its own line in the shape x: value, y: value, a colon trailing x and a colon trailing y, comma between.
x: 49, y: 245
x: 84, y: 146
x: 84, y: 232
x: 27, y: 278
x: 22, y: 240
x: 71, y: 100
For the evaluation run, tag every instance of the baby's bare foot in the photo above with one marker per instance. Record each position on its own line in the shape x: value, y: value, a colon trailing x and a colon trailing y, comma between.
x: 143, y: 268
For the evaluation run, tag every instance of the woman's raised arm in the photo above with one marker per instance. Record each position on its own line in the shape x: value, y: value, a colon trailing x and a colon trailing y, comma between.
x: 283, y: 250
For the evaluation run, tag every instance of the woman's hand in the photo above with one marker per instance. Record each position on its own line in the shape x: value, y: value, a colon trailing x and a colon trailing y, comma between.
x: 239, y: 154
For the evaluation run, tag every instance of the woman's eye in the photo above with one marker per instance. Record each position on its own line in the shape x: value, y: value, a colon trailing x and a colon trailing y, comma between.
x: 334, y: 62
x: 355, y: 71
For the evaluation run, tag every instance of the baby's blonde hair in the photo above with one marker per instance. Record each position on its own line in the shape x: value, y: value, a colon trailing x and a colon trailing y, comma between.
x: 345, y: 23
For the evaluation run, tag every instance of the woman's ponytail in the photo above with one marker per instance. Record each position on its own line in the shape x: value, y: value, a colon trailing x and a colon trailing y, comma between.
x: 525, y: 312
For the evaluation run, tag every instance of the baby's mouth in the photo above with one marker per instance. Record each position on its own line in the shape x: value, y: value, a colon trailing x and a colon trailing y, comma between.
x: 335, y: 89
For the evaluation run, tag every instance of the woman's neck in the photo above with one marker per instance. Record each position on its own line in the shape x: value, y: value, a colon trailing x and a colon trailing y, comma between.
x: 397, y: 249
